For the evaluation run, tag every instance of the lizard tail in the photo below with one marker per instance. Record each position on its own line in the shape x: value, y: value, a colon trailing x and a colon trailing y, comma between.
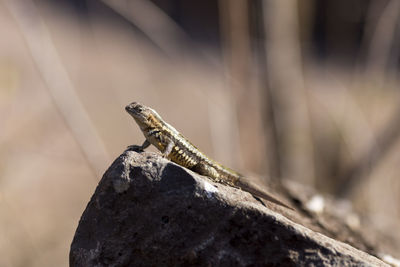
x: 257, y: 191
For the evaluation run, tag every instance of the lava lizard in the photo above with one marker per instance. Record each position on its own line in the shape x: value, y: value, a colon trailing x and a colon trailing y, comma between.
x: 177, y: 148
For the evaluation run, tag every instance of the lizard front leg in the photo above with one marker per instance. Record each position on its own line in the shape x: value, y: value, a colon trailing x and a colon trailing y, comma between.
x: 145, y: 145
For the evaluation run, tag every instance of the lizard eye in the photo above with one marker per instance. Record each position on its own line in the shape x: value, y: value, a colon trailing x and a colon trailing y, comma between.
x: 139, y: 109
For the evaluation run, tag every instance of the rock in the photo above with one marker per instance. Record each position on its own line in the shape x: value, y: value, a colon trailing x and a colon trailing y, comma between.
x: 148, y: 211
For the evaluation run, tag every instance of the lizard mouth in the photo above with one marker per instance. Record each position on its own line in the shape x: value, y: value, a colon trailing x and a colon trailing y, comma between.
x: 134, y: 108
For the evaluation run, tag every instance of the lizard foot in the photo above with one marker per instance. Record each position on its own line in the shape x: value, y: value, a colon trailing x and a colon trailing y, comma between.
x: 135, y: 148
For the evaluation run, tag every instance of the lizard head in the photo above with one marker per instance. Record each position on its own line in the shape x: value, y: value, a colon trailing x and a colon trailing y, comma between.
x: 144, y: 116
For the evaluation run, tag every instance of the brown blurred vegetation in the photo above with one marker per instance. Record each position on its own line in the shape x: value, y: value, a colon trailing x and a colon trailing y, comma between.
x: 301, y: 90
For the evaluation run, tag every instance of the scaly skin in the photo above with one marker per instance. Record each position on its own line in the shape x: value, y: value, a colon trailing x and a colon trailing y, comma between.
x: 177, y: 148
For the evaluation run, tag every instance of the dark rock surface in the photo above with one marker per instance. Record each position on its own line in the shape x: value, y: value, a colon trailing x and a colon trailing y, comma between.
x: 147, y: 211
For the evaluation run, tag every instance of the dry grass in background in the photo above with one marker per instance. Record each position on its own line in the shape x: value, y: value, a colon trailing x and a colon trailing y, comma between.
x: 64, y: 83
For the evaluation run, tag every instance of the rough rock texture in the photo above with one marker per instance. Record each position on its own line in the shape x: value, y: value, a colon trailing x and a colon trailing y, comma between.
x: 147, y: 211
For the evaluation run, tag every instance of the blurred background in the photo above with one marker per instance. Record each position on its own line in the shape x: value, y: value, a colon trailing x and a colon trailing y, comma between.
x: 306, y: 91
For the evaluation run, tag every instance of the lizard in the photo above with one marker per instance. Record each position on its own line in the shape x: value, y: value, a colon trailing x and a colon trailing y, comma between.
x: 174, y: 146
